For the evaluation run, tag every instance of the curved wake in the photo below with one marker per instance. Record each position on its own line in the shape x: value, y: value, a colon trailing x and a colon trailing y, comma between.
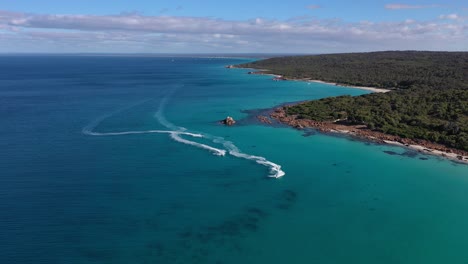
x: 176, y: 137
x: 175, y: 133
x: 91, y: 133
x: 275, y: 169
x: 159, y: 115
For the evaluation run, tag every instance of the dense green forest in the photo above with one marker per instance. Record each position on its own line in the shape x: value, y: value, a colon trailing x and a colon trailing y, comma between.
x: 389, y: 69
x: 430, y: 100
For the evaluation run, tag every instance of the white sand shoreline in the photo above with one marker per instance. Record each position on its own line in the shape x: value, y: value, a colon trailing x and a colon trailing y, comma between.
x: 421, y: 149
x: 372, y: 89
x: 267, y: 72
x: 425, y: 150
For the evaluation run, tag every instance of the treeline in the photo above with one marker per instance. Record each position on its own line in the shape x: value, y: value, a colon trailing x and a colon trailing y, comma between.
x: 389, y: 69
x: 437, y: 116
x: 430, y: 100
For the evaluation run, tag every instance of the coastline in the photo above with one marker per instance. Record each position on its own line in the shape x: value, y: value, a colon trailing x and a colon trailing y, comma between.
x: 372, y: 89
x: 361, y: 132
x: 278, y: 77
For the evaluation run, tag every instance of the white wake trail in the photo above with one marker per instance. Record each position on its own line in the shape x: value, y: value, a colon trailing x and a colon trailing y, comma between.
x: 275, y: 169
x: 88, y: 130
x: 175, y: 133
x: 176, y: 137
x: 141, y: 132
x: 159, y: 115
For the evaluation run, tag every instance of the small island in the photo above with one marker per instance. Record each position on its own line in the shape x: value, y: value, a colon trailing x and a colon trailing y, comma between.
x: 423, y: 102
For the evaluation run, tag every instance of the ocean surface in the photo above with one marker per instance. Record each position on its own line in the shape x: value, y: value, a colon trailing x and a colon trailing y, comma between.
x: 120, y: 159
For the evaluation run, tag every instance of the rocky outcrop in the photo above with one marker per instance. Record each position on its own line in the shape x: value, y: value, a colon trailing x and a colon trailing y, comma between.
x: 228, y: 121
x: 360, y: 131
x: 264, y: 119
x: 279, y: 78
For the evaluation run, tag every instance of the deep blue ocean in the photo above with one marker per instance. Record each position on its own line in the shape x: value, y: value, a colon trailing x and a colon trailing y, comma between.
x: 118, y: 159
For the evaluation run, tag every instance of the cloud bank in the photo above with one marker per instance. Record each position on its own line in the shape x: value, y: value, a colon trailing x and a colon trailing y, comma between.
x: 133, y: 32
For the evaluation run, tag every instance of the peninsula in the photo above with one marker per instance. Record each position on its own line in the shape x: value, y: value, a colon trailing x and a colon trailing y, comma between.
x: 424, y: 103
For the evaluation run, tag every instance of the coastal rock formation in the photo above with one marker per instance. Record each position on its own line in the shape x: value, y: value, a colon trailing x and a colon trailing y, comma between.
x: 228, y: 121
x: 279, y: 78
x: 264, y: 119
x: 361, y: 131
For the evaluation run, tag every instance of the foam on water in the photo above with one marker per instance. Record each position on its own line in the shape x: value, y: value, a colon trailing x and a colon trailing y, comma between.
x: 159, y: 115
x: 175, y: 133
x: 275, y: 169
x: 91, y: 133
x: 218, y: 152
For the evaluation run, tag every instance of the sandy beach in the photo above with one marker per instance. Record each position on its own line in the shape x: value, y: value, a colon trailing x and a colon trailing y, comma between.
x: 280, y: 77
x: 372, y: 89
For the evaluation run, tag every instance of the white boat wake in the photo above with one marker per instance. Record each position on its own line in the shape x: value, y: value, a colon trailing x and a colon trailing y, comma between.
x: 176, y: 132
x: 275, y: 169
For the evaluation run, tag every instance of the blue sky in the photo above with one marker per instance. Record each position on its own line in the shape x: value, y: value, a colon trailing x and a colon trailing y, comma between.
x: 184, y: 26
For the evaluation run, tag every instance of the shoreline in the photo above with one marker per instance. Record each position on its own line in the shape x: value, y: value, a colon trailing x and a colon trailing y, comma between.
x: 278, y: 77
x: 372, y: 89
x: 361, y: 132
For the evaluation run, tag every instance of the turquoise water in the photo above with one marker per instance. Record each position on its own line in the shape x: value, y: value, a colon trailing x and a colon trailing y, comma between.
x: 70, y: 192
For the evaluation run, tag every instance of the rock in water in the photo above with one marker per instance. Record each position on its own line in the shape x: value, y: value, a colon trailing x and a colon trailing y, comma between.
x: 229, y: 121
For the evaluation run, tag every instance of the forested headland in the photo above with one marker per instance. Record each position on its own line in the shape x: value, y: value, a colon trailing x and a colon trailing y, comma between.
x: 428, y: 101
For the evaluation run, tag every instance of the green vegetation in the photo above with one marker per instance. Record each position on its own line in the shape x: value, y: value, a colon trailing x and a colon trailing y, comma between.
x: 430, y: 100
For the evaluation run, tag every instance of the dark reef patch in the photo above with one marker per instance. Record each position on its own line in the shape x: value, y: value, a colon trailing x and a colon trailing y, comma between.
x: 195, y: 242
x: 309, y: 132
x: 253, y: 115
x: 410, y: 153
x: 407, y: 153
x: 287, y: 200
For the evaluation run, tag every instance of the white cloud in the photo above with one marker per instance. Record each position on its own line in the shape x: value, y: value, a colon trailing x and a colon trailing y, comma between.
x: 134, y: 32
x: 449, y: 16
x: 406, y: 6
